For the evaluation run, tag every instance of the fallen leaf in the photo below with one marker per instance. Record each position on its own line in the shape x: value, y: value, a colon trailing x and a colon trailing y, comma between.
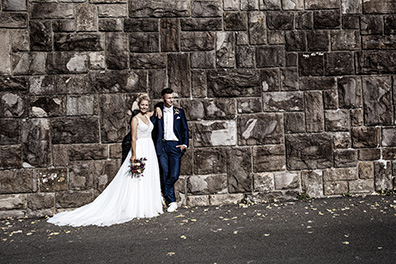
x: 170, y: 254
x: 183, y: 237
x: 267, y: 235
x: 345, y: 243
x: 193, y: 220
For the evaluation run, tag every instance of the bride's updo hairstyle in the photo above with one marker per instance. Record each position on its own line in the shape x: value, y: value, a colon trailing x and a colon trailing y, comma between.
x: 141, y: 97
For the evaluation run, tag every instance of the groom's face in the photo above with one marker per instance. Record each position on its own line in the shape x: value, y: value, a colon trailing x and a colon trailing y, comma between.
x: 168, y: 99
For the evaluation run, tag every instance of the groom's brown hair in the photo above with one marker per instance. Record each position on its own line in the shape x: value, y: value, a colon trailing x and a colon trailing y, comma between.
x: 166, y: 91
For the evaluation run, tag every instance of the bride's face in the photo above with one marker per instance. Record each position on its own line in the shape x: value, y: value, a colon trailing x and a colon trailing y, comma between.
x: 143, y: 106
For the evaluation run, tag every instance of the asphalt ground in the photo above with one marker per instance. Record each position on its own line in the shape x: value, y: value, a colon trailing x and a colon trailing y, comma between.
x: 334, y: 230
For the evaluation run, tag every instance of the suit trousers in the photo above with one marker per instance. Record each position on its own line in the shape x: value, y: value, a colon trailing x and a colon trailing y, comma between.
x: 170, y: 169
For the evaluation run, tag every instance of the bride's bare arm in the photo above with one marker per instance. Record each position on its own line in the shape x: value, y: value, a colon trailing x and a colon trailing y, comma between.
x: 157, y: 111
x: 134, y: 125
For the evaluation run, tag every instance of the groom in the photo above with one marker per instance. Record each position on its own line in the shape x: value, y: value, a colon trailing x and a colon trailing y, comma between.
x: 171, y: 141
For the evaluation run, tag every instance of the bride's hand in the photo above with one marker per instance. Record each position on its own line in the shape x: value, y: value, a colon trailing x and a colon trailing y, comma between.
x: 133, y: 158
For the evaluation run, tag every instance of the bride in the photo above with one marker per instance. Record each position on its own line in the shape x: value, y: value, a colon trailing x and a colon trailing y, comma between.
x: 126, y: 197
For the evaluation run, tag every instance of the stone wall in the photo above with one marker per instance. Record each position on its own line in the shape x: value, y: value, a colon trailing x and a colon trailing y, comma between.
x: 282, y: 96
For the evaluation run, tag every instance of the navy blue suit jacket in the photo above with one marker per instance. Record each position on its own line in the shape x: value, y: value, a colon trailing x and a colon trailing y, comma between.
x: 180, y: 128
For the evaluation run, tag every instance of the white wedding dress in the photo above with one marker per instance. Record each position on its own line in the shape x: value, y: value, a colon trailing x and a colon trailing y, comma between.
x: 126, y: 197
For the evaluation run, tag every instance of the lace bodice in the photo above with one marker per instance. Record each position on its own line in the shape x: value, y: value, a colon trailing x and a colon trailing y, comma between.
x: 144, y: 130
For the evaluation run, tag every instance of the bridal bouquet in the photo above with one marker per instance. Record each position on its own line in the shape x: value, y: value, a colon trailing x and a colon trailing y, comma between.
x: 137, y: 167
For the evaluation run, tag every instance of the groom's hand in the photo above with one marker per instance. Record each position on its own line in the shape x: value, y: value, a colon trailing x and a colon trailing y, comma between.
x: 182, y: 147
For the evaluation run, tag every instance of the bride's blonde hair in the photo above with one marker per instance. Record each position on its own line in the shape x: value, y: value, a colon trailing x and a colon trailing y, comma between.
x: 141, y: 97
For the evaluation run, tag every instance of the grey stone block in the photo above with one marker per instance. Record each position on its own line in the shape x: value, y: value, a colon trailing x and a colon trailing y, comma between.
x: 365, y: 137
x: 283, y: 101
x: 371, y: 25
x: 351, y: 21
x: 305, y: 151
x: 73, y: 199
x: 294, y: 122
x: 206, y: 8
x: 240, y: 178
x: 225, y: 50
x: 342, y: 140
x: 52, y: 180
x: 170, y: 33
x: 350, y: 92
x: 390, y: 25
x: 311, y: 64
x: 270, y: 79
x: 17, y: 181
x: 178, y: 77
x: 369, y: 154
x: 198, y: 83
x: 264, y: 182
x: 280, y: 20
x: 270, y: 56
x: 13, y: 105
x: 208, y: 184
x: 270, y: 4
x: 148, y: 61
x: 197, y: 41
x: 361, y: 186
x: 10, y: 131
x: 201, y: 24
x: 235, y: 21
x: 339, y: 63
x: 245, y: 56
x: 214, y: 133
x: 233, y: 83
x: 269, y: 158
x: 78, y: 42
x: 260, y: 129
x: 287, y: 180
x: 351, y: 6
x: 377, y: 94
x: 376, y: 62
x: 178, y: 8
x: 144, y: 42
x: 318, y: 40
x: 141, y: 25
x: 86, y: 17
x: 334, y: 188
x: 345, y: 40
x: 40, y: 36
x: 379, y: 42
x: 337, y: 120
x: 210, y: 161
x: 320, y: 4
x: 314, y: 111
x: 379, y: 6
x: 383, y: 178
x: 366, y: 170
x: 249, y: 105
x: 345, y: 158
x: 304, y: 20
x: 75, y: 130
x: 327, y: 19
x: 312, y: 183
x: 51, y: 10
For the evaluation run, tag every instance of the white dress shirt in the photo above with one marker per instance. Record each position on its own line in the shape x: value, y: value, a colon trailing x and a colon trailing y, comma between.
x: 169, y: 134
